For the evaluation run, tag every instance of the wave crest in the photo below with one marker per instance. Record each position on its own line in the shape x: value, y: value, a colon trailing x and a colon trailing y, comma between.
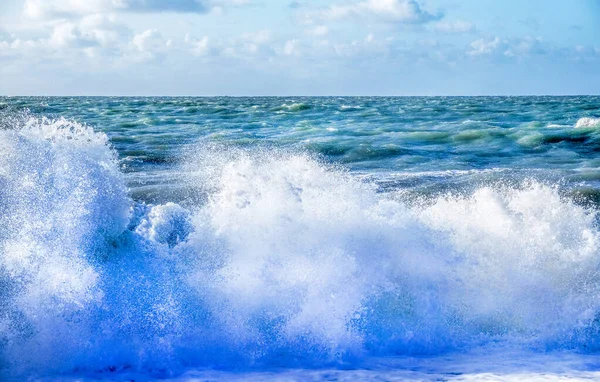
x: 587, y: 122
x: 62, y: 201
x: 279, y: 259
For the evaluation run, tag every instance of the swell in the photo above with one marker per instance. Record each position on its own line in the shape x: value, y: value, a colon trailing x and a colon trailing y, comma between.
x: 281, y: 260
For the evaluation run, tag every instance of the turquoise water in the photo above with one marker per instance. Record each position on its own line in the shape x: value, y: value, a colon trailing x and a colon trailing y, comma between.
x: 299, y: 238
x: 414, y: 142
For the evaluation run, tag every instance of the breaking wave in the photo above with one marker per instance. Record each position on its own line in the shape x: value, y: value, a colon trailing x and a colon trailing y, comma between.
x: 279, y: 259
x: 587, y: 122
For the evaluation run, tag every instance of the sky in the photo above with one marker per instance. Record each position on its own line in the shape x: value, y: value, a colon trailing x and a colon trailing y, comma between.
x: 299, y: 47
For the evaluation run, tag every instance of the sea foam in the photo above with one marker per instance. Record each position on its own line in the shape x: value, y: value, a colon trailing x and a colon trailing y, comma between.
x: 587, y: 122
x: 278, y: 259
x: 62, y: 202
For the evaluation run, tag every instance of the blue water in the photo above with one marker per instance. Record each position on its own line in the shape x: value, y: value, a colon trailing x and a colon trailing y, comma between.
x: 299, y: 238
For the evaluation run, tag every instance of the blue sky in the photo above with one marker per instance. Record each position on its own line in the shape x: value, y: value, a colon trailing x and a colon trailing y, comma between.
x: 301, y: 47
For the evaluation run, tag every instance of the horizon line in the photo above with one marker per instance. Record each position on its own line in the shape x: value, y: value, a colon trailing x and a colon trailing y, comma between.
x: 296, y: 95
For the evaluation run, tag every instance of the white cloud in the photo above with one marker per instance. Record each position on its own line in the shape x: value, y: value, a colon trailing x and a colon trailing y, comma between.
x: 68, y: 41
x: 365, y: 47
x: 454, y: 27
x: 103, y: 29
x: 184, y: 6
x: 17, y: 47
x: 388, y: 11
x: 198, y: 47
x: 234, y: 3
x: 64, y: 34
x: 528, y: 45
x: 259, y: 38
x: 254, y: 43
x: 244, y: 46
x: 93, y: 30
x: 148, y: 40
x: 39, y: 9
x: 317, y: 31
x: 525, y: 46
x: 251, y: 45
x: 482, y: 46
x: 290, y: 48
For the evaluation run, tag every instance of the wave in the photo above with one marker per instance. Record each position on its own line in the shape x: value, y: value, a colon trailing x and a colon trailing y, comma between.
x: 587, y: 122
x: 281, y: 260
x: 62, y: 204
x: 293, y: 107
x: 350, y: 108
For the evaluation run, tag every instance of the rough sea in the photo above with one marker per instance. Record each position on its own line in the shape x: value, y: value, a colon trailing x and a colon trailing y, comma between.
x: 299, y: 238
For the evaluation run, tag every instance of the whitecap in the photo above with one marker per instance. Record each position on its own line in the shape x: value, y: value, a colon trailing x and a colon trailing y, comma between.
x: 587, y: 122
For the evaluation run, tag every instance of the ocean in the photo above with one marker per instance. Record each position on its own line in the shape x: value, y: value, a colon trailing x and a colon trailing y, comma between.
x: 299, y: 238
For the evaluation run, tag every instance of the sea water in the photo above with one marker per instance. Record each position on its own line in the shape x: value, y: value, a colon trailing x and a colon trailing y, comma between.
x: 299, y: 238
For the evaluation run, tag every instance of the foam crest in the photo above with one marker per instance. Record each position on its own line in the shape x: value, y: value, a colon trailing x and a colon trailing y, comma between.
x: 166, y: 224
x: 283, y: 222
x: 278, y: 259
x: 587, y: 122
x: 526, y: 259
x: 331, y: 264
x: 62, y: 200
x: 293, y: 107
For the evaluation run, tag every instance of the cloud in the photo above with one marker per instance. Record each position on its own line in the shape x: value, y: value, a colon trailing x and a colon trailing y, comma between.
x: 244, y: 46
x: 16, y: 47
x: 64, y: 34
x: 93, y: 30
x: 250, y: 44
x: 183, y: 6
x: 147, y: 45
x: 454, y: 27
x: 317, y: 31
x: 386, y: 11
x: 259, y: 38
x: 484, y: 47
x: 525, y: 46
x: 149, y: 40
x: 40, y: 9
x: 583, y: 53
x: 198, y: 47
x: 365, y: 47
x: 290, y: 48
x: 74, y: 29
x: 103, y: 29
x: 69, y: 40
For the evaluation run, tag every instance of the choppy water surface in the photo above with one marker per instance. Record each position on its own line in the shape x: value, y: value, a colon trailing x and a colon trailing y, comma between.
x: 407, y: 141
x: 299, y: 238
